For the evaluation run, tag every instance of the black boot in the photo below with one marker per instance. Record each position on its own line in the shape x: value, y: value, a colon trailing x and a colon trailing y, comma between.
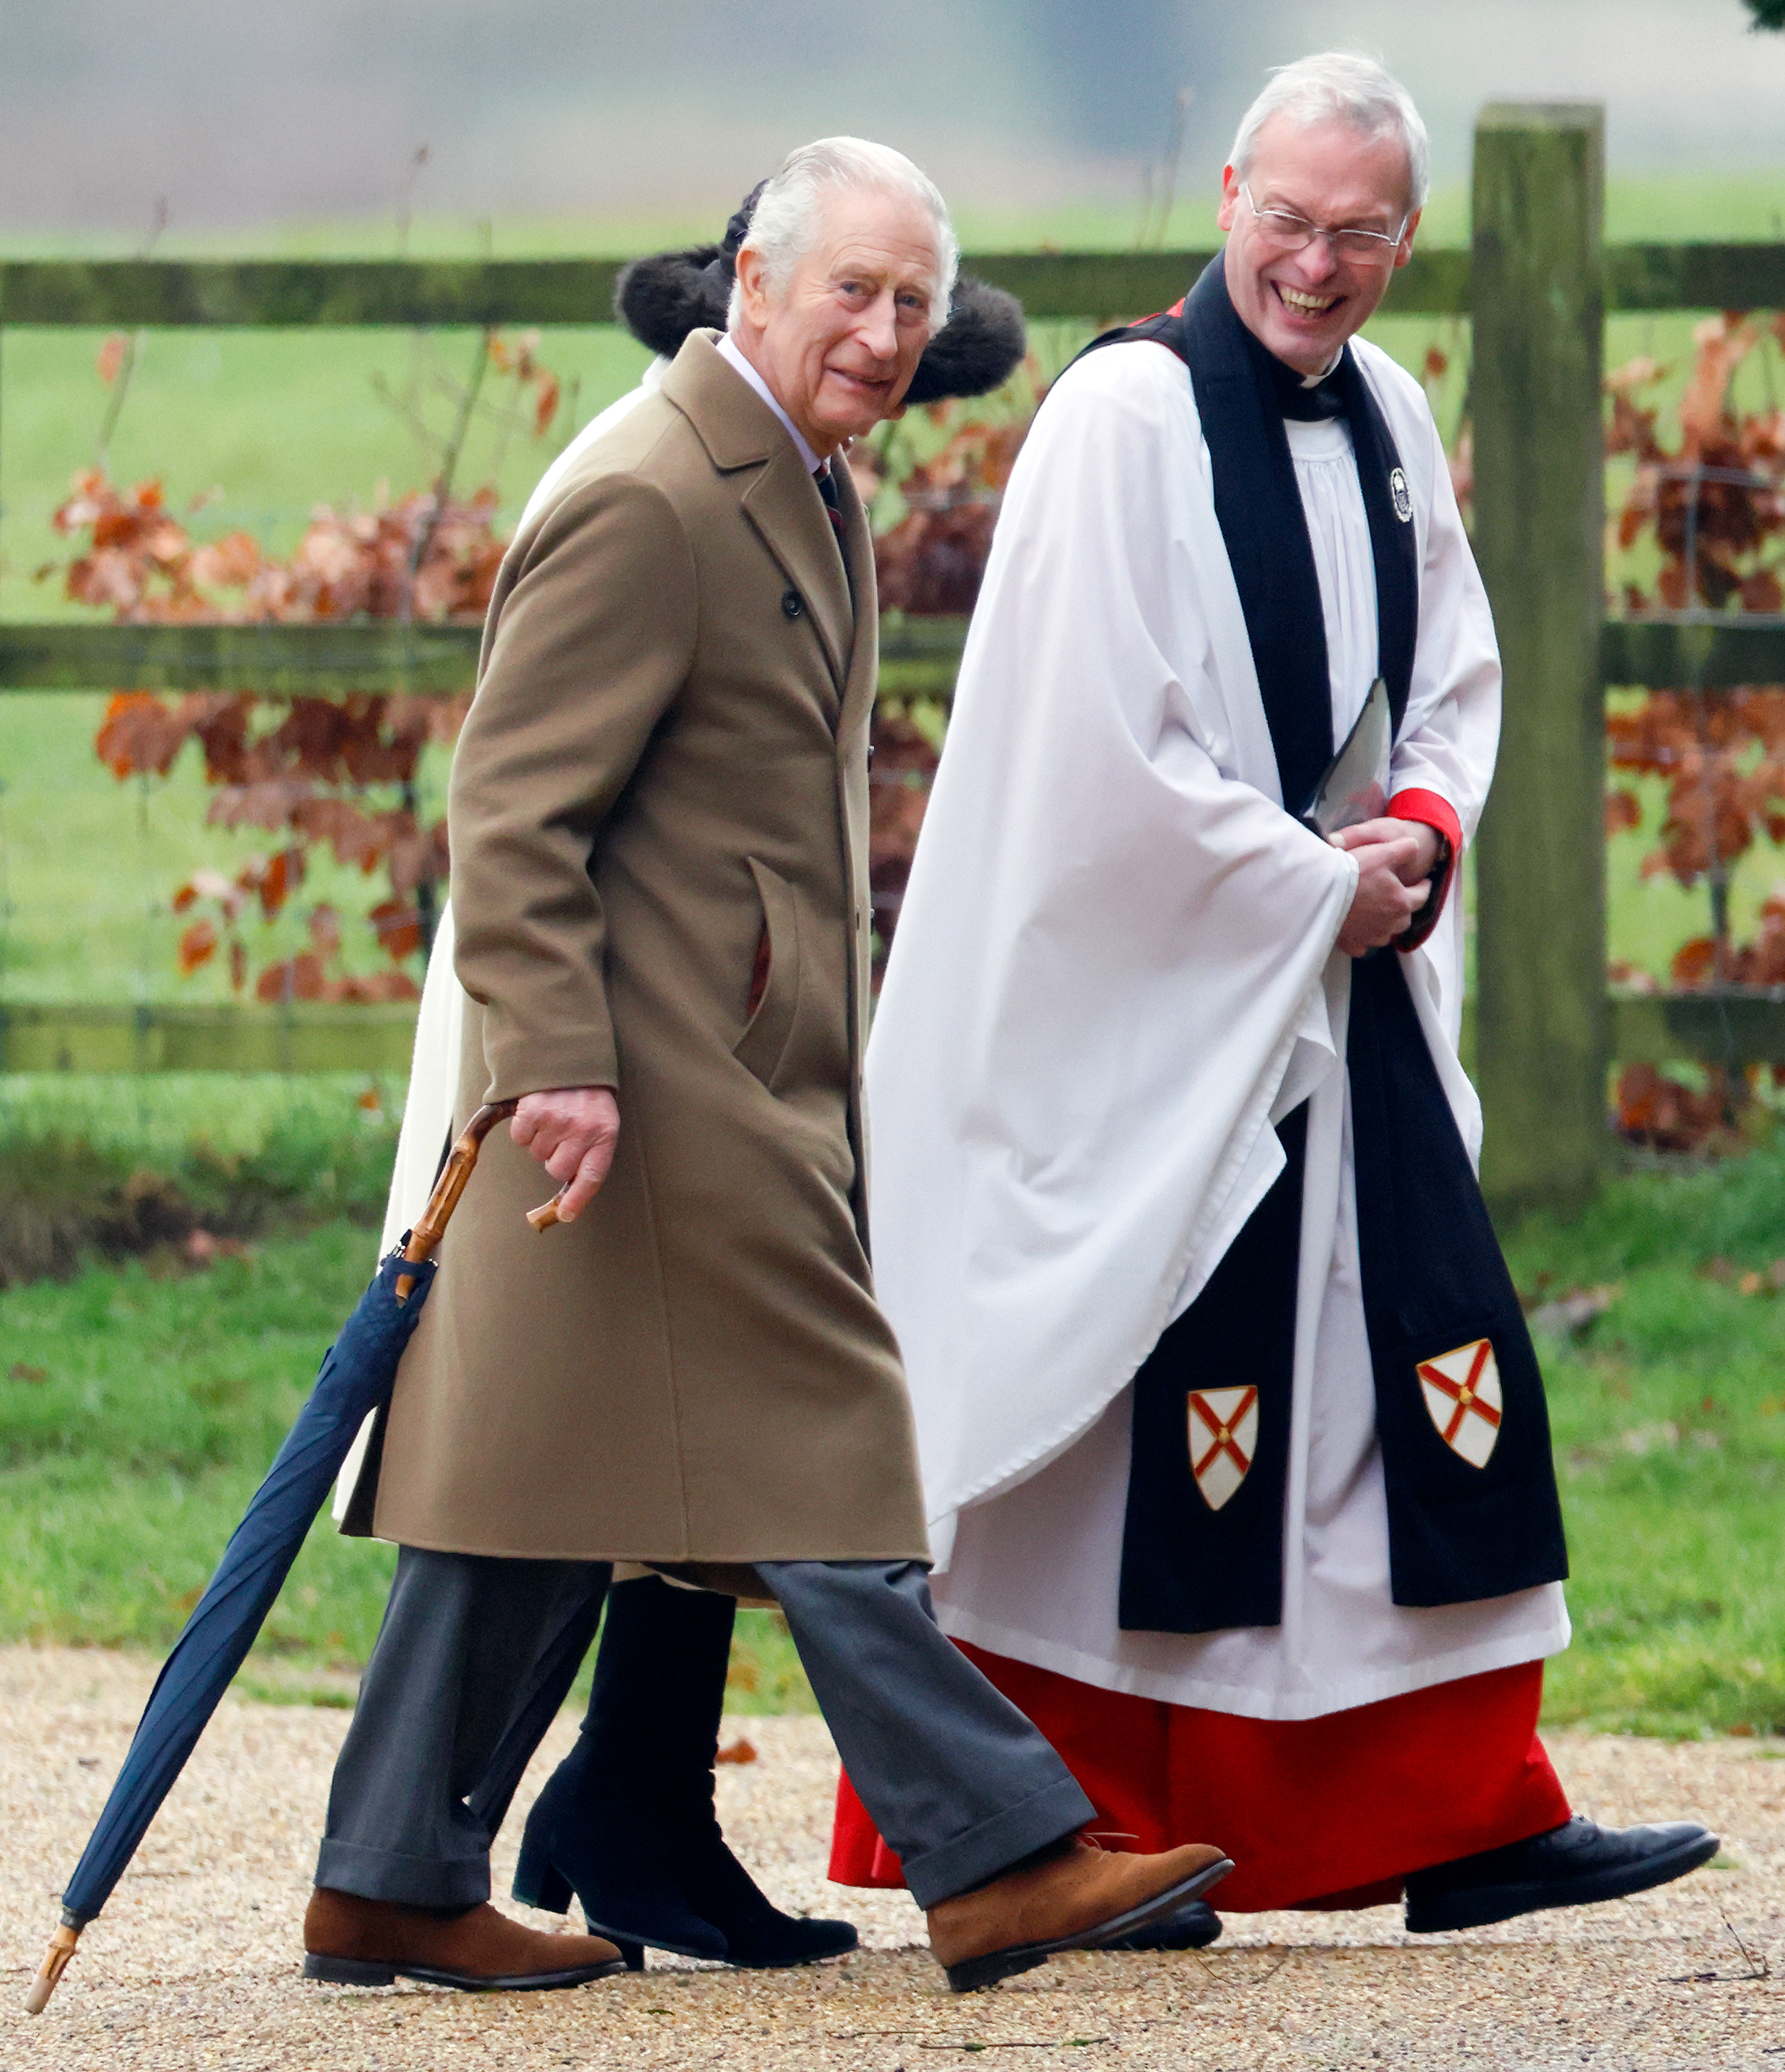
x: 627, y: 1820
x: 1571, y: 1866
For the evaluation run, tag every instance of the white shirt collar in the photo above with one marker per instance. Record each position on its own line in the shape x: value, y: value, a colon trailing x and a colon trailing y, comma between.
x: 729, y: 352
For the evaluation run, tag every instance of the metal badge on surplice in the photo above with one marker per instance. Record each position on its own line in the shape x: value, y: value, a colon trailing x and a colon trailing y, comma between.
x: 1224, y: 1441
x: 1462, y: 1392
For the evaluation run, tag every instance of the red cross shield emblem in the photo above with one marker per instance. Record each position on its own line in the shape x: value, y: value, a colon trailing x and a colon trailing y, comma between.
x: 1223, y: 1436
x: 1462, y: 1392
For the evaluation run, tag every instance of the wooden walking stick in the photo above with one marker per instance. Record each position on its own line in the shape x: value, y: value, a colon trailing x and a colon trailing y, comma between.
x: 430, y: 1225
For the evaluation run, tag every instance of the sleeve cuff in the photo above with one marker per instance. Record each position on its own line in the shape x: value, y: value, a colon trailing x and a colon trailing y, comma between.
x: 1431, y: 810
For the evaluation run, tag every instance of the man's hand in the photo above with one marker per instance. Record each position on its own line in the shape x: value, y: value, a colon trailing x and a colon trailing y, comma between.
x: 1395, y: 860
x: 572, y: 1131
x: 1428, y: 841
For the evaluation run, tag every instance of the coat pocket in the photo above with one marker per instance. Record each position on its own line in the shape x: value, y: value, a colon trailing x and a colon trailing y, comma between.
x: 759, y: 1049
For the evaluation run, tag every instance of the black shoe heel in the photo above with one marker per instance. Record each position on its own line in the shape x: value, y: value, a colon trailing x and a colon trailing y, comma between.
x: 348, y: 1972
x: 538, y: 1882
x: 634, y: 1953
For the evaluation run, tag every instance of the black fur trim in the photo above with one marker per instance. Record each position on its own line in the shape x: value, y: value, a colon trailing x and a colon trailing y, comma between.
x: 976, y: 350
x: 737, y: 228
x: 662, y: 298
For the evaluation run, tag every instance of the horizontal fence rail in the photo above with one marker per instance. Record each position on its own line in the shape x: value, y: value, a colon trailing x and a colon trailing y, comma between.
x: 304, y: 1037
x: 1673, y: 654
x: 285, y: 660
x: 1743, y: 1026
x: 388, y: 292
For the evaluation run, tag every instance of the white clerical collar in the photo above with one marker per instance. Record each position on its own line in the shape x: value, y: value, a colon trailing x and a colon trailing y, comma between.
x: 729, y: 352
x: 1313, y: 381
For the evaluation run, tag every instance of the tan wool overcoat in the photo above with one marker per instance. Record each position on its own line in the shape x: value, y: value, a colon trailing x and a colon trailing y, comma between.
x: 659, y: 813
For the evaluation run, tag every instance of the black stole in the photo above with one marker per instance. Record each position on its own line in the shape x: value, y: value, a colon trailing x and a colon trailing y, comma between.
x: 1433, y: 1278
x: 1242, y: 392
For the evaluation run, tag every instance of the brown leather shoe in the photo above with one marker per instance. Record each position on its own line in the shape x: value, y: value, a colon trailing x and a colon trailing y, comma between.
x: 349, y: 1941
x: 1083, y: 1897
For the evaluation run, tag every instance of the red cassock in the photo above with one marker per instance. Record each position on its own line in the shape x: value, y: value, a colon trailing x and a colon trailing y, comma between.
x: 1326, y: 1812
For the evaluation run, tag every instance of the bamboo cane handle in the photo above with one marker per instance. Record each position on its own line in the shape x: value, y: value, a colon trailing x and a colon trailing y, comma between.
x: 430, y: 1225
x: 49, y: 1972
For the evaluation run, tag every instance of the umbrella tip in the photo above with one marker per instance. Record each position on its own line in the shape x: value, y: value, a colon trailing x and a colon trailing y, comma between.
x: 49, y: 1972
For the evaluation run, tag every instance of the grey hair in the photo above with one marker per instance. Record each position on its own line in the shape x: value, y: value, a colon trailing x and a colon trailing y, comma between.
x: 1338, y: 86
x: 789, y: 214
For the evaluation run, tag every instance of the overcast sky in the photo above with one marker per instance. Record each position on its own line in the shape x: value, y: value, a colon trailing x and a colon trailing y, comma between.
x: 253, y: 111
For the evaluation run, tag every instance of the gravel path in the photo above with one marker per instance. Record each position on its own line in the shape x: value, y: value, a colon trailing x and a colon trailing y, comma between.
x: 194, y: 1962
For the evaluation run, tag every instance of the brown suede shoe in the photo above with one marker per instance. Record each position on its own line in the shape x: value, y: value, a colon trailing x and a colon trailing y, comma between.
x: 349, y: 1941
x: 1075, y: 1901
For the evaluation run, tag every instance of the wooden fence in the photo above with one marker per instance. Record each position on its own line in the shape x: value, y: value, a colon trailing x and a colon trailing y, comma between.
x: 1536, y: 285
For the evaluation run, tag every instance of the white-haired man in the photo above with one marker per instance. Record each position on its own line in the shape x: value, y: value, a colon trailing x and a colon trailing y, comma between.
x: 1224, y: 1398
x: 658, y: 812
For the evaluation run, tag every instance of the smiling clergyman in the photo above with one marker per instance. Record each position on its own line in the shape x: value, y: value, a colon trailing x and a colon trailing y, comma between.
x: 1225, y: 1399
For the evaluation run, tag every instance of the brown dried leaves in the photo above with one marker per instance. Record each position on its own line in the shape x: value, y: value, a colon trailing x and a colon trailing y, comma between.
x: 421, y: 558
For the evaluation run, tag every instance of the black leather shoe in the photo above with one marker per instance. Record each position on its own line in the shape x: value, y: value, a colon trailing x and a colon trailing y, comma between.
x: 1574, y: 1865
x: 1194, y: 1927
x: 627, y: 1819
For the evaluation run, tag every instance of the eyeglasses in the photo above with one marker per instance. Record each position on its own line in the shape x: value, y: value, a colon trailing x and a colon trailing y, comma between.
x: 1290, y: 233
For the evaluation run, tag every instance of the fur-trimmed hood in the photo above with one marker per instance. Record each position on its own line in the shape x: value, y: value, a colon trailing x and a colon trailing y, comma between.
x: 662, y: 298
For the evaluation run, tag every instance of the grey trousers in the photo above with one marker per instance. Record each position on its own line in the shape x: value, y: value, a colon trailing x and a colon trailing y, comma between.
x: 476, y: 1655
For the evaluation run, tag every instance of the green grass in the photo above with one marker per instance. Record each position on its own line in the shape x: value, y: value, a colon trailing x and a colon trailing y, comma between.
x: 162, y: 1119
x: 124, y: 1470
x: 164, y: 1402
x: 73, y: 1184
x: 1669, y: 1419
x: 164, y: 1394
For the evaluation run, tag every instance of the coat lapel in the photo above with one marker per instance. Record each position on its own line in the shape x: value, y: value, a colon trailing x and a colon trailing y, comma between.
x: 780, y: 500
x: 784, y: 504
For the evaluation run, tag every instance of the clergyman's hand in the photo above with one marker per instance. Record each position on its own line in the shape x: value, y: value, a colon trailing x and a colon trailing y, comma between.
x: 1428, y: 842
x: 1392, y: 871
x: 572, y: 1131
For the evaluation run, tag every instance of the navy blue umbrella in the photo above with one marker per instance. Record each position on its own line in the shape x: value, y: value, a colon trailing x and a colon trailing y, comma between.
x: 357, y: 1375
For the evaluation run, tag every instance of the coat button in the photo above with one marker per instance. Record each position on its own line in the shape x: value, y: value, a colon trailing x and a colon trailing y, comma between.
x: 790, y: 605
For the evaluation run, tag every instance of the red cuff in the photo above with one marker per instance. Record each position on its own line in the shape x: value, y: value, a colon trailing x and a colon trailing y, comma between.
x: 1431, y: 810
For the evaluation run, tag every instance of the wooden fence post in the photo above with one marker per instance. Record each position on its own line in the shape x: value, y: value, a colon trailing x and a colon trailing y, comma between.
x: 1542, y: 1023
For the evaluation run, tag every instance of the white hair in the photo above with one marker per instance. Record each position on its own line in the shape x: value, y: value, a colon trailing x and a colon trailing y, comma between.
x: 788, y: 220
x: 1338, y: 86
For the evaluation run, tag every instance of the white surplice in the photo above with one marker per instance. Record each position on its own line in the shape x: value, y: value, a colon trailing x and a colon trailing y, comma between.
x: 1114, y: 968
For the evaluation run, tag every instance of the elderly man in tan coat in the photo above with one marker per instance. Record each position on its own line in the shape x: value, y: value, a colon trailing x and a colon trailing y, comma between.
x: 659, y: 824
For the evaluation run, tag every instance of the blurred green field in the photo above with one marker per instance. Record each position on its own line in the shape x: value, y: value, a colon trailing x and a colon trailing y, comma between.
x: 89, y: 865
